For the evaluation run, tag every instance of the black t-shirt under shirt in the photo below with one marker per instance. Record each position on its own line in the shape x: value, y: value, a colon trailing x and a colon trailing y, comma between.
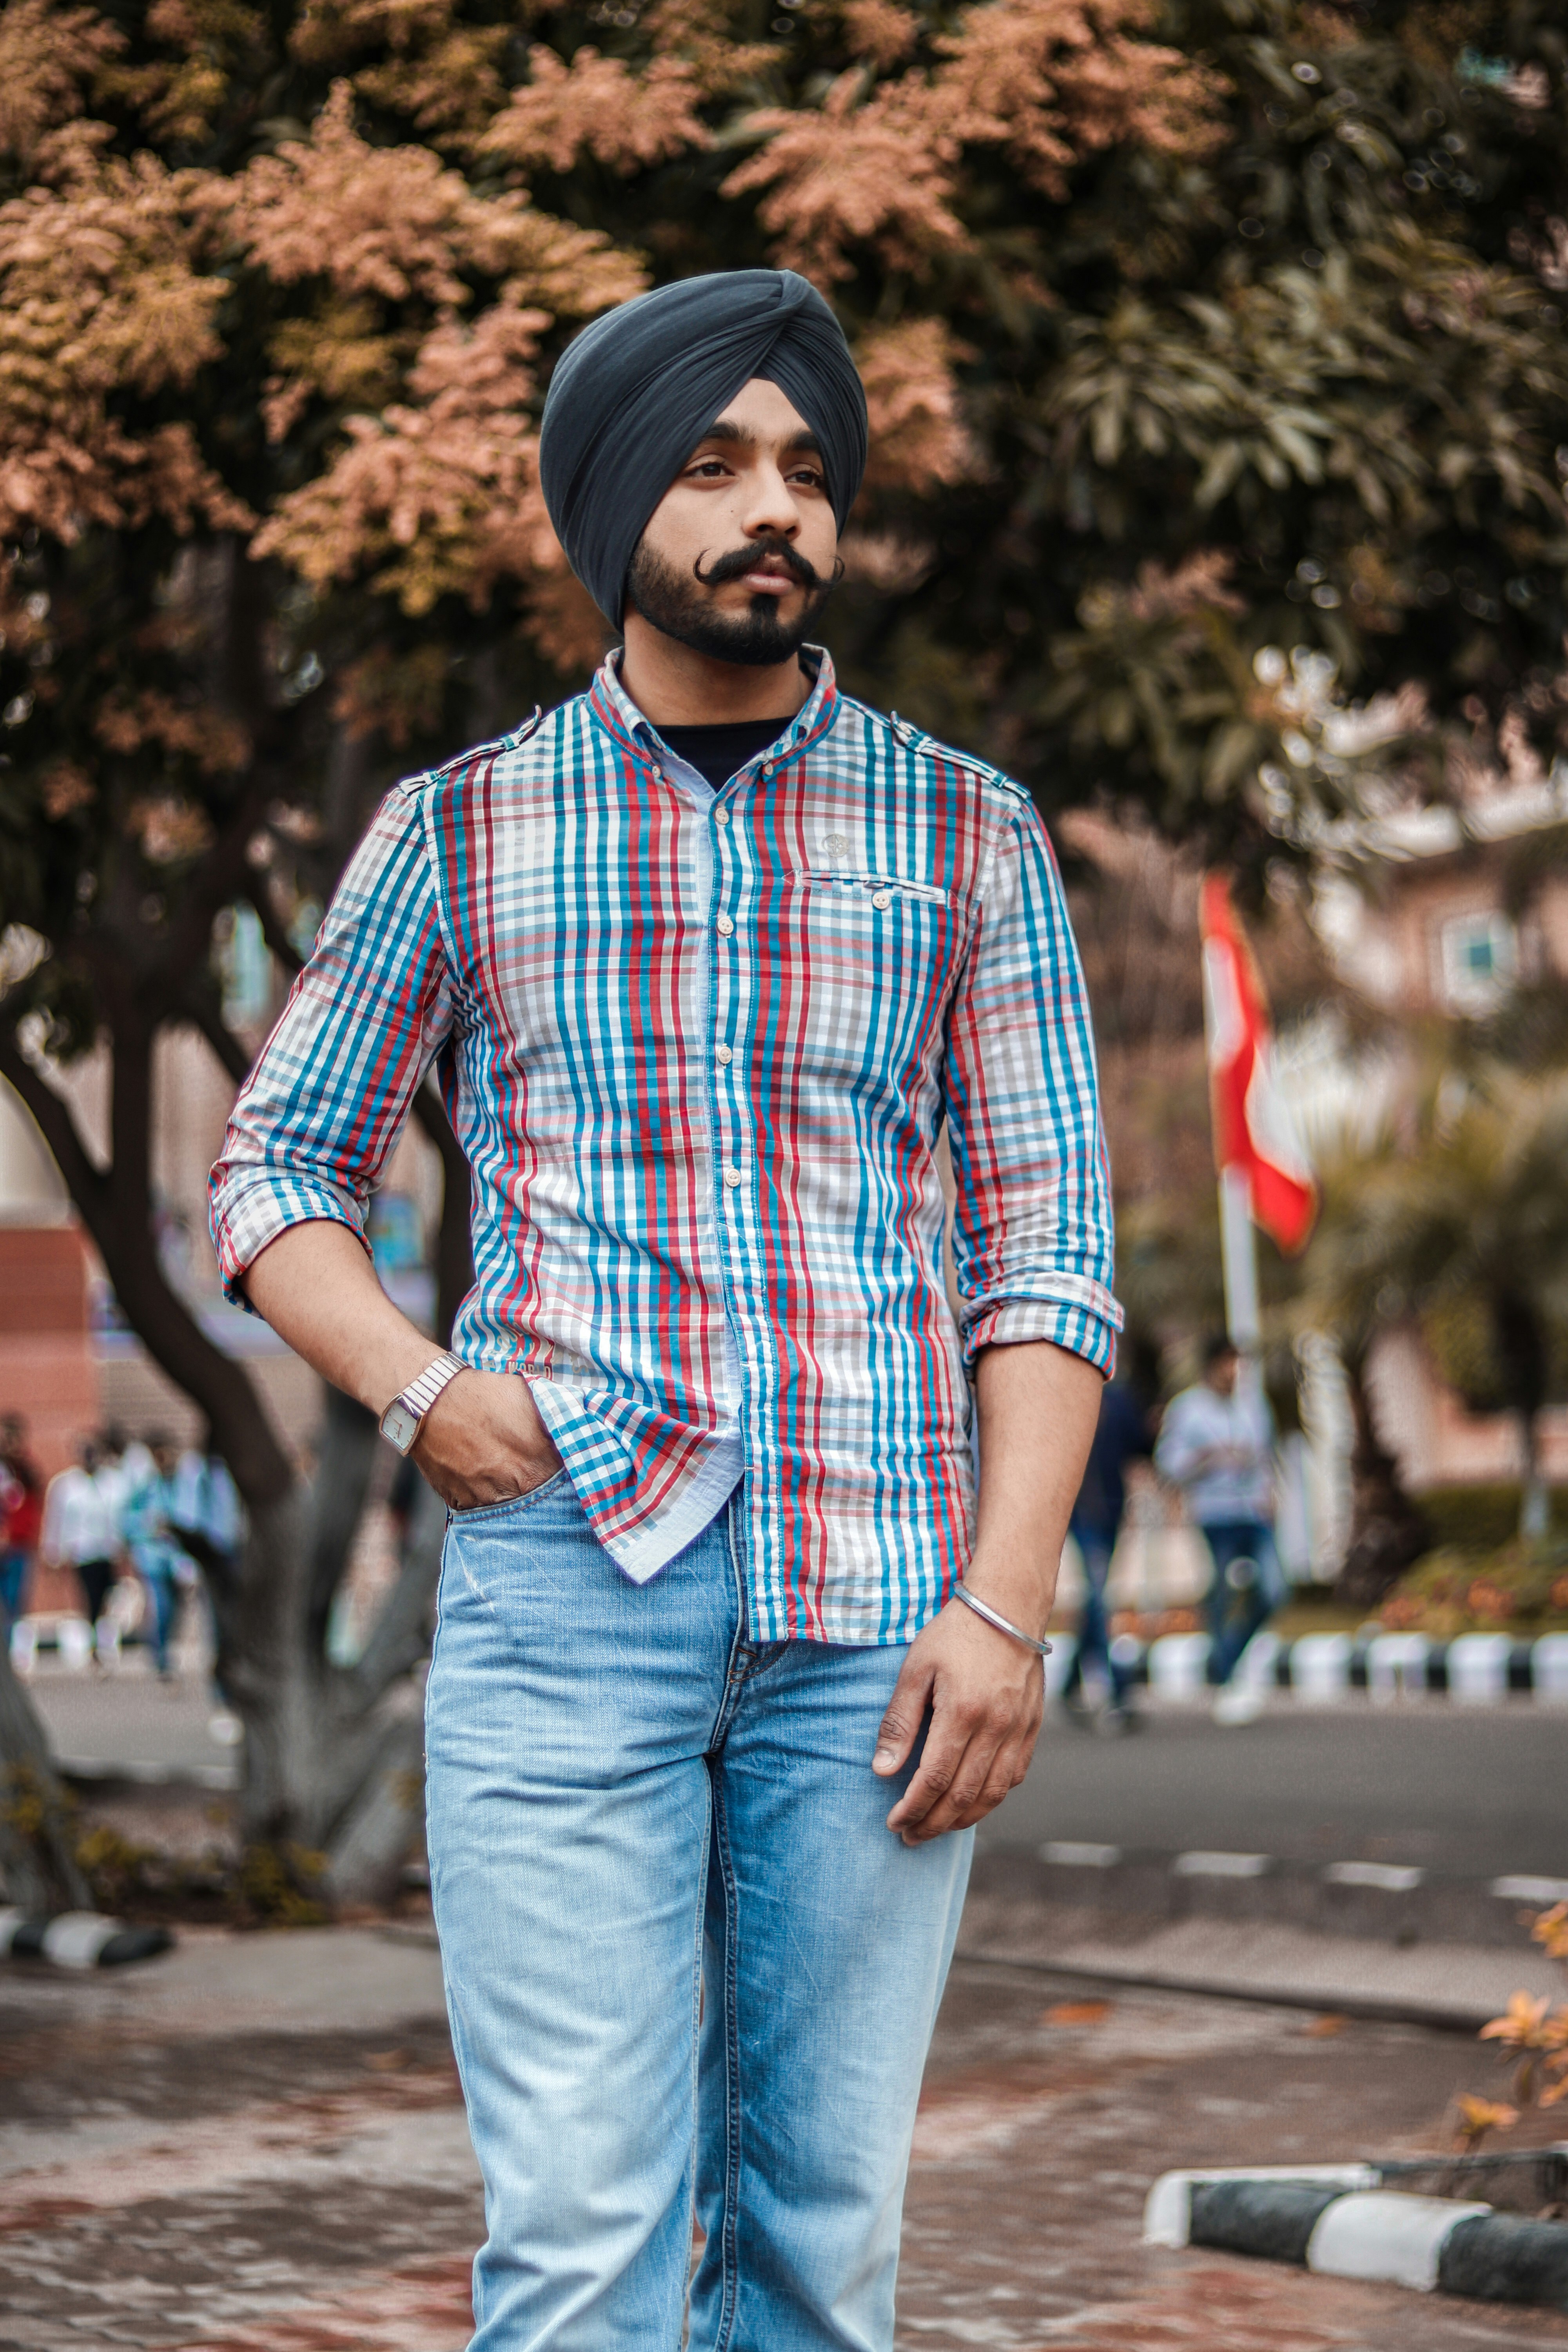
x: 716, y: 753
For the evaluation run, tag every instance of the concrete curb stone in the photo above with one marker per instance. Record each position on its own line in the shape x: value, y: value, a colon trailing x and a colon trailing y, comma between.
x: 1338, y: 2220
x: 80, y: 1939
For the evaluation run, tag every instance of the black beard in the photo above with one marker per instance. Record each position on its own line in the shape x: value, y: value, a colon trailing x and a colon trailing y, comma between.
x: 679, y: 608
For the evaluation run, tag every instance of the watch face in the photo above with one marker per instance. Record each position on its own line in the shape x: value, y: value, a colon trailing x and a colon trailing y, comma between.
x: 399, y: 1426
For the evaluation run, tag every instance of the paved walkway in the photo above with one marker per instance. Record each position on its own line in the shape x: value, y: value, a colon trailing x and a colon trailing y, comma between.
x: 257, y: 2145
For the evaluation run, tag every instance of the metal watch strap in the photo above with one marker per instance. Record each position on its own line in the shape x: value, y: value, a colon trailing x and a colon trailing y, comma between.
x: 994, y: 1617
x: 422, y: 1393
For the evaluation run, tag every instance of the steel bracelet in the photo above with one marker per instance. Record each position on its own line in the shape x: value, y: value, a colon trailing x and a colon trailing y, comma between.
x: 994, y: 1617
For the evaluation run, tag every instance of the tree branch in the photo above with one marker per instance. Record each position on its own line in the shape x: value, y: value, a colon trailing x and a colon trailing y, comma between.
x: 161, y: 1320
x: 205, y: 1009
x: 278, y: 939
x: 398, y: 1638
x: 51, y: 1116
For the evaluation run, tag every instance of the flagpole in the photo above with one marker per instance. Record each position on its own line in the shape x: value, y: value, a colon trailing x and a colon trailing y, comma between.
x: 1239, y: 1255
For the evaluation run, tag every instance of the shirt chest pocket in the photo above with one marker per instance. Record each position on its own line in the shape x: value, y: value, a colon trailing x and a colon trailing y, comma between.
x: 867, y: 959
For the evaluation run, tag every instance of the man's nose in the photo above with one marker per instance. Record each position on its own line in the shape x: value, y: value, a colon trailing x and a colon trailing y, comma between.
x: 770, y: 509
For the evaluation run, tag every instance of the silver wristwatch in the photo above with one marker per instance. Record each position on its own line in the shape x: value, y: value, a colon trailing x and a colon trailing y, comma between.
x: 400, y: 1421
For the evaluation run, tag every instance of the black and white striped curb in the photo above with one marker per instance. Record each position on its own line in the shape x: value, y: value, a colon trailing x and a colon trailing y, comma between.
x: 1337, y: 2219
x: 79, y: 1939
x: 1474, y: 1669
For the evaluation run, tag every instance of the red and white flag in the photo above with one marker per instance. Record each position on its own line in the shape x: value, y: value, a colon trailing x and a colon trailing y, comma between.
x: 1253, y: 1130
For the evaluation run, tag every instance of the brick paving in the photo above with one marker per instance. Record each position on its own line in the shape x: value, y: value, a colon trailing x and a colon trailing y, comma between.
x: 175, y: 2179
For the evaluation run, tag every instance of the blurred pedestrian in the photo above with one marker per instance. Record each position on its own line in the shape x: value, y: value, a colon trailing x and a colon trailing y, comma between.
x: 204, y: 1508
x: 1218, y: 1445
x: 81, y: 1528
x: 1121, y: 1436
x: 21, y: 1516
x: 159, y: 1558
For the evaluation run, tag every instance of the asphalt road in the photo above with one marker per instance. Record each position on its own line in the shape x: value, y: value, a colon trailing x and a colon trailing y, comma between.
x: 1472, y: 1793
x: 1468, y: 1791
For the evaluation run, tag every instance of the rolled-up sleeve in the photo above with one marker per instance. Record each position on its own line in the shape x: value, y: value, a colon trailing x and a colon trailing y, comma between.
x: 1034, y: 1241
x: 320, y: 1112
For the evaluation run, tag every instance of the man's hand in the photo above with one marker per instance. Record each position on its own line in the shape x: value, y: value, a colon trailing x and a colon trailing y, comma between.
x: 482, y: 1442
x: 987, y: 1695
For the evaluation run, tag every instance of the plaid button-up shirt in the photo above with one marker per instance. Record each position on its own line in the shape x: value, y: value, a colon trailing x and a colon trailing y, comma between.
x: 698, y: 1049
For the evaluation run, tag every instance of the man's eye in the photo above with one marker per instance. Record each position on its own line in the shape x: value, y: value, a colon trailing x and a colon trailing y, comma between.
x: 809, y: 477
x: 710, y: 467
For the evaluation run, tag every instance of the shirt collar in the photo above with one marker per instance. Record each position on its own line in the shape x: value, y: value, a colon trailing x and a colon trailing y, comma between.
x: 614, y: 708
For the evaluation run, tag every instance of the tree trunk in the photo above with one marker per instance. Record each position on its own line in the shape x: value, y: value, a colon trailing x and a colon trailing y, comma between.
x: 333, y: 1755
x: 1388, y: 1529
x: 37, y: 1858
x: 1534, y: 1502
x: 1521, y: 1339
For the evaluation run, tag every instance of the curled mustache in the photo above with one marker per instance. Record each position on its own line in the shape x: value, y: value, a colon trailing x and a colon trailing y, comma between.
x: 741, y: 560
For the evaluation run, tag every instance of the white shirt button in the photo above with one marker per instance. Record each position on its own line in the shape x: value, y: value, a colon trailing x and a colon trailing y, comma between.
x: 767, y: 767
x: 659, y: 775
x: 731, y: 1177
x: 720, y: 816
x: 725, y: 1057
x: 725, y: 927
x: 881, y: 897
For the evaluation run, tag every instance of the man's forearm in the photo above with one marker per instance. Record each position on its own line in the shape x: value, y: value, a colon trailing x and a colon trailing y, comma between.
x: 319, y: 1290
x: 1039, y: 1406
x: 481, y: 1441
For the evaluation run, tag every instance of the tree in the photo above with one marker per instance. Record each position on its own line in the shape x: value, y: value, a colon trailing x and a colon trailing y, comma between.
x: 1458, y: 1219
x: 1185, y: 334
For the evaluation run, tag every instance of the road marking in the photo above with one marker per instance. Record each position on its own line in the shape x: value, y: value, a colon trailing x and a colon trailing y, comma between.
x: 1202, y: 1865
x: 1394, y: 1877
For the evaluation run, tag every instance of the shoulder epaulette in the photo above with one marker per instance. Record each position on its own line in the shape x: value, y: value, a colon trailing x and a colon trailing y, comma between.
x: 518, y: 735
x: 915, y: 739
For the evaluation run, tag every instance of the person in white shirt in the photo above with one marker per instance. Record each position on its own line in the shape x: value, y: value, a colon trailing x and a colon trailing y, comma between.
x: 81, y: 1527
x: 1217, y: 1444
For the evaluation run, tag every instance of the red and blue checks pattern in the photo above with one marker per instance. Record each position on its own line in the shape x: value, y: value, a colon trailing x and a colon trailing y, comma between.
x: 699, y: 1057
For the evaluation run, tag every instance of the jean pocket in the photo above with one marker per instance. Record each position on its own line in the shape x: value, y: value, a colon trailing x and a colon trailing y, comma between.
x: 508, y: 1503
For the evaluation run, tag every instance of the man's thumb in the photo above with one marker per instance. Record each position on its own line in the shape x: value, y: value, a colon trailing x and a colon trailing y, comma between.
x: 896, y: 1735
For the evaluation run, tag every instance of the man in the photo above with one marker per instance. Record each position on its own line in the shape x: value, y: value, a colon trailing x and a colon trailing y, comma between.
x: 81, y: 1527
x: 704, y: 960
x: 1120, y: 1436
x: 163, y: 1564
x: 1217, y: 1444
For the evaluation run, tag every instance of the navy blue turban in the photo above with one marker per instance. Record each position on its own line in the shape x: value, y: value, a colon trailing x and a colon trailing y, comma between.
x: 634, y: 392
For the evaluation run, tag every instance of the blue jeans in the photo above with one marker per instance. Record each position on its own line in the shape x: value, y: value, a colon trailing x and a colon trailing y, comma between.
x: 1238, y: 1604
x: 1094, y: 1545
x: 154, y: 1564
x: 13, y: 1580
x: 689, y: 1969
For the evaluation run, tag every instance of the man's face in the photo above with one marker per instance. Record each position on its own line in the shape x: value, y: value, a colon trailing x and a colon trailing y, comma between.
x: 738, y: 557
x: 1221, y: 1374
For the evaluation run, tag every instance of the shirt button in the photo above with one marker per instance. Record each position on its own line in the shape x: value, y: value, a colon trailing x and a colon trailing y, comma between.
x: 767, y: 767
x: 731, y: 1177
x: 659, y: 775
x: 725, y: 927
x: 881, y: 897
x: 725, y: 1057
x: 720, y: 816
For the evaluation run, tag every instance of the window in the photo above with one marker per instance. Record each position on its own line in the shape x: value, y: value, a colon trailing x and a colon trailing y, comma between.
x: 1477, y: 960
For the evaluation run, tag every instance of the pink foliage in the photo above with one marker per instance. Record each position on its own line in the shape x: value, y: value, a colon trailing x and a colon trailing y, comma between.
x: 100, y: 288
x: 46, y: 56
x: 1042, y: 81
x: 598, y: 105
x: 918, y: 439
